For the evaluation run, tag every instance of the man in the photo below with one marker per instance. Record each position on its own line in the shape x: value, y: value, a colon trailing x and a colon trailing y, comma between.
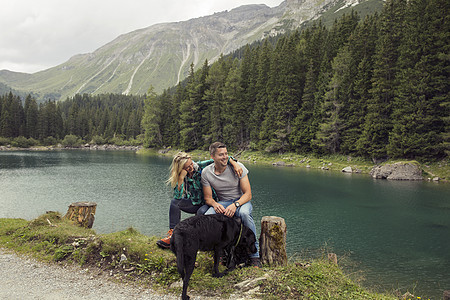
x: 234, y: 192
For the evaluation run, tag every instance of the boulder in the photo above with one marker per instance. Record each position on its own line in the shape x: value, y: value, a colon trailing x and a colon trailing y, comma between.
x: 347, y: 170
x: 397, y: 171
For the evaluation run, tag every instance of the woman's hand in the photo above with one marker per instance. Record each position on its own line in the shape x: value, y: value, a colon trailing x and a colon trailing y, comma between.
x: 237, y: 168
x: 181, y: 176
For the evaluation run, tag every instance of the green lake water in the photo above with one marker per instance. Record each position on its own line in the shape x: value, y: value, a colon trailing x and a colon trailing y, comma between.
x: 395, y: 234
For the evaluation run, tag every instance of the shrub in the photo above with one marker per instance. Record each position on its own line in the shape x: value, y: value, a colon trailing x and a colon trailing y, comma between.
x: 98, y: 140
x: 71, y: 141
x: 4, y: 141
x: 118, y: 141
x: 23, y: 142
x: 33, y: 142
x: 48, y: 141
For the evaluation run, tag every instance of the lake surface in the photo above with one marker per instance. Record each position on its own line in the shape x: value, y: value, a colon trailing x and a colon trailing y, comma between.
x: 396, y: 234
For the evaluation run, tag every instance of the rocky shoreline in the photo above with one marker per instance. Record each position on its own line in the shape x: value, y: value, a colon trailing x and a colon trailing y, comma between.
x: 394, y: 171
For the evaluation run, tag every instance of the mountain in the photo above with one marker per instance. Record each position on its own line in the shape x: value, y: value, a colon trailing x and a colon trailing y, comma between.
x: 161, y: 55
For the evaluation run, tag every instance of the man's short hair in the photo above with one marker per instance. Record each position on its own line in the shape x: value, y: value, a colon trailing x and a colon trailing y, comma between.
x: 214, y: 146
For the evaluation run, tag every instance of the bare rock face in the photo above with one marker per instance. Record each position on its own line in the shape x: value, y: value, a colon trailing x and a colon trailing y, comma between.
x: 397, y: 171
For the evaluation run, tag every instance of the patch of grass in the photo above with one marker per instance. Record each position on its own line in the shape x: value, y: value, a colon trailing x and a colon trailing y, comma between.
x: 439, y: 169
x: 135, y: 257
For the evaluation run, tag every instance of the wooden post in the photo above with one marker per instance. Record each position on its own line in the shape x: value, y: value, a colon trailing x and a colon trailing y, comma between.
x: 332, y: 258
x: 273, y: 241
x: 82, y: 213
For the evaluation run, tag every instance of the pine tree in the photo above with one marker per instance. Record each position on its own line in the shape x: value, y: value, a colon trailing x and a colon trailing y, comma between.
x: 335, y: 100
x: 362, y: 48
x: 173, y: 131
x: 6, y: 118
x: 286, y: 86
x: 213, y: 100
x: 263, y: 61
x: 31, y: 117
x: 236, y: 109
x: 423, y: 82
x: 305, y: 125
x: 193, y: 115
x: 151, y: 120
x: 378, y: 121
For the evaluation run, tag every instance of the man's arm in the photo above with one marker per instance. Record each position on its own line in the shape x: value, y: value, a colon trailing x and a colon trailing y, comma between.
x: 246, y: 196
x: 207, y: 195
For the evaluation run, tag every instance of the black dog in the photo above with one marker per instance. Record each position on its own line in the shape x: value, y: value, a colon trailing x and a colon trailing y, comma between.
x: 209, y: 233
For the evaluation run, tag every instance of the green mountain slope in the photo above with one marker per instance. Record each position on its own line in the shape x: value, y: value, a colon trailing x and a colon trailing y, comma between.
x: 161, y: 55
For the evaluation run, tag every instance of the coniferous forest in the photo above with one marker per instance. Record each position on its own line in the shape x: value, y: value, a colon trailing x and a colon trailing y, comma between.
x: 107, y: 118
x: 376, y: 87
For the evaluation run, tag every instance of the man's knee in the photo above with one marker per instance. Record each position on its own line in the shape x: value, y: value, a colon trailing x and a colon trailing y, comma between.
x: 210, y: 211
x: 246, y: 209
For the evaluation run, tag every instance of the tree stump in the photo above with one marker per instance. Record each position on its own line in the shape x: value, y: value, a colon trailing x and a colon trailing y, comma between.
x: 82, y: 213
x: 447, y: 295
x: 273, y: 241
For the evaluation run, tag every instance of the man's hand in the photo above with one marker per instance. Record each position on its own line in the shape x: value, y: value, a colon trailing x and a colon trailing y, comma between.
x: 218, y: 208
x: 230, y: 210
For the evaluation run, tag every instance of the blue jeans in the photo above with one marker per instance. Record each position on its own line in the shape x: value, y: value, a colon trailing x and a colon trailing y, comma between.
x: 245, y: 213
x: 178, y: 205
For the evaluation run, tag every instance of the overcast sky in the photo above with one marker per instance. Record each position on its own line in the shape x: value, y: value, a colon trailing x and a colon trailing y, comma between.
x: 39, y: 34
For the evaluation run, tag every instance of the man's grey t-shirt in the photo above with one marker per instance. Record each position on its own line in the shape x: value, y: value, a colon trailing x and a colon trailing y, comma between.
x: 226, y: 184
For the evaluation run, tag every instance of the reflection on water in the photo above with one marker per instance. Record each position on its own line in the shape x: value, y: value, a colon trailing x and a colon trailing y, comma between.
x: 397, y: 232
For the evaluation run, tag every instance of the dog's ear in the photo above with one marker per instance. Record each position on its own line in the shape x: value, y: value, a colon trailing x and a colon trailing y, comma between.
x: 238, y: 220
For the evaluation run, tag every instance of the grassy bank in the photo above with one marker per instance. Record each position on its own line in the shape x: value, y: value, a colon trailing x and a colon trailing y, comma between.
x: 54, y: 239
x: 330, y: 163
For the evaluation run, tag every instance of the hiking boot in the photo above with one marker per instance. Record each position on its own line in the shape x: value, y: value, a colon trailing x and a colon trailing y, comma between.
x: 255, y: 262
x: 165, y: 242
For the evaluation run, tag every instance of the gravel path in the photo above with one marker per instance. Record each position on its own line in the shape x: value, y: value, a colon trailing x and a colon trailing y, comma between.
x: 25, y: 278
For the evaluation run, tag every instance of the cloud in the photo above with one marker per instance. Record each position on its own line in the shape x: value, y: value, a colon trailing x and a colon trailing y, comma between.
x: 42, y: 34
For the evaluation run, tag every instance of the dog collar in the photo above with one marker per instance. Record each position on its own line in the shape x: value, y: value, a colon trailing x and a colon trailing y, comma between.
x: 239, y: 238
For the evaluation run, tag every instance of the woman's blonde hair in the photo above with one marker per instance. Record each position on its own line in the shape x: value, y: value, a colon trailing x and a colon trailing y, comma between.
x: 178, y: 162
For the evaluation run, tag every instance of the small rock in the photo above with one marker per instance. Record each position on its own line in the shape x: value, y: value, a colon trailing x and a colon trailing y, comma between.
x: 436, y: 179
x: 177, y: 284
x: 408, y: 295
x: 123, y: 258
x: 250, y: 283
x: 347, y: 170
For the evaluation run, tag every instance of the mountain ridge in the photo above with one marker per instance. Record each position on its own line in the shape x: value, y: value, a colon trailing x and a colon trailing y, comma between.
x: 160, y: 55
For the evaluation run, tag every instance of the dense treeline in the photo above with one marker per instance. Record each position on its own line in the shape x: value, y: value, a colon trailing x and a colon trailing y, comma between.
x: 105, y: 118
x: 377, y: 87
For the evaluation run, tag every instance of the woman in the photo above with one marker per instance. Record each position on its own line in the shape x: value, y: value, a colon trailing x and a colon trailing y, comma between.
x: 185, y: 179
